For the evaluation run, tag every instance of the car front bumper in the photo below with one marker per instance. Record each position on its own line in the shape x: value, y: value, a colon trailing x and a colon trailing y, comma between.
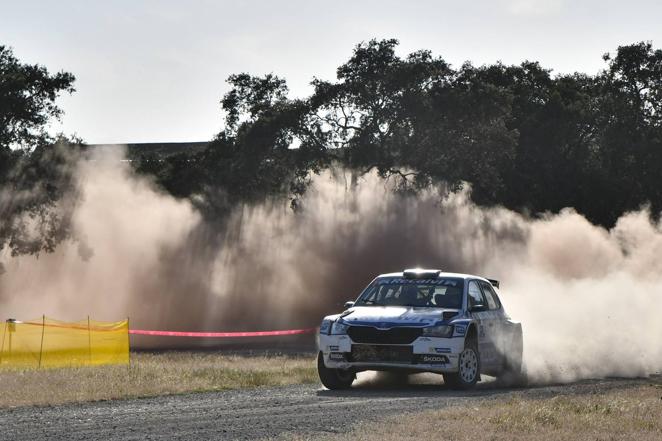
x: 425, y: 354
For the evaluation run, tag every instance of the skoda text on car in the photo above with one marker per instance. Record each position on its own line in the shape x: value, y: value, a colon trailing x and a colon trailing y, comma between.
x: 422, y: 321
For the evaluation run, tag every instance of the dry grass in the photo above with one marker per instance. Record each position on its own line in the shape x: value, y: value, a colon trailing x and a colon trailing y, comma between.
x: 631, y: 413
x: 153, y: 374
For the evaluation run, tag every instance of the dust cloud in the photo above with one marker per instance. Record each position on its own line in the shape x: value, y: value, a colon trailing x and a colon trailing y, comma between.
x: 588, y: 298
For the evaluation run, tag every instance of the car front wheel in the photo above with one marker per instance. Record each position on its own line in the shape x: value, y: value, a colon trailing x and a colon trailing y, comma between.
x: 469, y: 368
x: 334, y: 379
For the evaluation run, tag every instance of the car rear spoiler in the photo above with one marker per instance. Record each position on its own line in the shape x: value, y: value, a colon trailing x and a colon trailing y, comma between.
x: 495, y: 283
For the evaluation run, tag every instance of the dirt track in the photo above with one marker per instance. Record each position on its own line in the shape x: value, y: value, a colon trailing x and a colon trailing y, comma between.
x: 257, y: 413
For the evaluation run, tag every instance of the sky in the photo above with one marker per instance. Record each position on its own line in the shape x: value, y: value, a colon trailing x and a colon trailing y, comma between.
x: 155, y: 71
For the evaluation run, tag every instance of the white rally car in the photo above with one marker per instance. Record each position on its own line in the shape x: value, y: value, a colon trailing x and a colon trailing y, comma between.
x: 422, y: 321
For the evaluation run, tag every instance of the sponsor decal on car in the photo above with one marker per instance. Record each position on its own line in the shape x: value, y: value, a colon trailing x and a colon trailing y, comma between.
x: 434, y: 359
x: 397, y: 281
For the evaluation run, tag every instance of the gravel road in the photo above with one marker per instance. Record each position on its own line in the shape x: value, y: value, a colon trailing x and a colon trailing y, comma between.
x: 256, y: 413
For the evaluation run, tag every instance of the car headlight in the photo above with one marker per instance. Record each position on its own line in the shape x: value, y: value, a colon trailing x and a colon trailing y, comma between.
x: 325, y: 326
x: 438, y: 331
x: 339, y: 328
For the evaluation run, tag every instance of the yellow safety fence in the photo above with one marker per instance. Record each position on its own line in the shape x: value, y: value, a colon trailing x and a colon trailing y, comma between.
x: 51, y: 343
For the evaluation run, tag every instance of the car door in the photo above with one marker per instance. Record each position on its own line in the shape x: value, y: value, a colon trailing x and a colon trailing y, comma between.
x: 479, y: 310
x: 496, y: 319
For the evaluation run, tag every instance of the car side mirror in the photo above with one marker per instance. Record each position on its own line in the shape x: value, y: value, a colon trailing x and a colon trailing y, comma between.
x: 478, y: 308
x: 349, y: 304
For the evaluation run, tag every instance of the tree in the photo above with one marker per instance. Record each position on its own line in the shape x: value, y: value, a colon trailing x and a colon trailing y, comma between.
x: 267, y: 149
x: 630, y: 144
x: 521, y: 136
x: 27, y: 101
x: 35, y: 169
x: 415, y: 119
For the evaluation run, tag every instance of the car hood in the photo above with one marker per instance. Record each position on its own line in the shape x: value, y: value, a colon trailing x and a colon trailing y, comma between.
x: 385, y: 317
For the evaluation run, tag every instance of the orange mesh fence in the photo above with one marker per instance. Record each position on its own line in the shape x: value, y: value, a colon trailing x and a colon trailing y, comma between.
x: 52, y: 343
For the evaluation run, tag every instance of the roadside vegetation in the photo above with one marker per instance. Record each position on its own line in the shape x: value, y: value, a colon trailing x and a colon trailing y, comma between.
x: 630, y: 413
x: 152, y: 374
x: 520, y: 135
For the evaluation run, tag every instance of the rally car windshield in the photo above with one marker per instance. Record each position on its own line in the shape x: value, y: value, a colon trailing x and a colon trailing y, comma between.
x: 432, y: 293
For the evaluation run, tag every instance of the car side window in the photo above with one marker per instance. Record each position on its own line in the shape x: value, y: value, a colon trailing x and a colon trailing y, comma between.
x: 496, y: 299
x: 475, y: 295
x: 492, y: 299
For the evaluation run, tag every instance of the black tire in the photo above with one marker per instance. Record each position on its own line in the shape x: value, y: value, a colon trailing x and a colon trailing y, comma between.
x: 514, y: 373
x: 469, y: 368
x: 334, y: 379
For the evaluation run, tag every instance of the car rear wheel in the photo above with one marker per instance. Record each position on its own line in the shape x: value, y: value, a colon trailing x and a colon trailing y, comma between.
x: 469, y: 368
x: 334, y: 379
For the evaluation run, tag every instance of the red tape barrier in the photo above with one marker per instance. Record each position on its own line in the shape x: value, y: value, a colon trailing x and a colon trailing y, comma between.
x: 223, y: 334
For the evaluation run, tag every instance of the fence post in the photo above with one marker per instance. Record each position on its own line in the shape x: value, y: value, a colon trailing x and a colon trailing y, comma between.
x: 89, y: 341
x: 43, y: 328
x: 11, y: 326
x: 2, y: 348
x: 128, y: 340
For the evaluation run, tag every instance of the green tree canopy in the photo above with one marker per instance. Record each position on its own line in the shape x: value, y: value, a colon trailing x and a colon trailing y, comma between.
x: 521, y: 136
x: 35, y: 168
